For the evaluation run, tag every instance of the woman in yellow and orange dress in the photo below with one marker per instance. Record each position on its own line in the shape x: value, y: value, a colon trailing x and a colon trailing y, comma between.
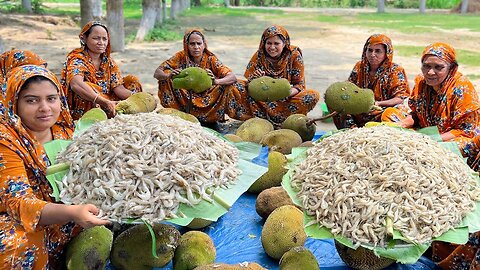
x: 377, y: 71
x: 277, y: 58
x: 211, y: 105
x: 34, y: 229
x: 15, y: 58
x: 91, y: 77
x: 443, y: 97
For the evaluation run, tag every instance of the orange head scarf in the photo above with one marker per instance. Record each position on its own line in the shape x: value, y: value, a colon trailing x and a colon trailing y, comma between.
x: 12, y: 132
x: 15, y: 58
x: 86, y: 29
x: 275, y: 30
x: 386, y: 64
x: 445, y: 52
x: 187, y: 35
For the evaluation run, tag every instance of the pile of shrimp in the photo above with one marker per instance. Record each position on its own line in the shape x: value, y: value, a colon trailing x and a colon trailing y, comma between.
x: 353, y: 180
x: 145, y: 165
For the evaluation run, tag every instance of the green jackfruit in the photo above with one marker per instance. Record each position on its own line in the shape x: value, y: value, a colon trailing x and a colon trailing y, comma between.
x: 193, y: 78
x: 282, y: 231
x: 95, y: 115
x: 195, y: 249
x: 224, y: 266
x: 90, y: 249
x: 269, y: 89
x: 132, y: 248
x: 254, y: 129
x: 302, y: 125
x: 346, y: 97
x: 140, y: 102
x: 277, y: 163
x: 178, y: 113
x: 361, y: 258
x: 281, y: 140
x: 270, y: 199
x: 298, y: 258
x: 199, y: 223
x: 233, y: 138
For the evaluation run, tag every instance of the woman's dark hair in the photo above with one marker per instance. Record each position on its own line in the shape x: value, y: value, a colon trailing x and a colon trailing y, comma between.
x: 87, y: 33
x: 36, y: 79
x: 198, y: 33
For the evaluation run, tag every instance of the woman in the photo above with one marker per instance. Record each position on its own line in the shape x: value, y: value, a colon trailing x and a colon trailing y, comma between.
x: 378, y: 72
x: 15, y: 58
x: 443, y: 97
x: 276, y: 58
x: 34, y: 229
x: 209, y: 106
x: 91, y: 77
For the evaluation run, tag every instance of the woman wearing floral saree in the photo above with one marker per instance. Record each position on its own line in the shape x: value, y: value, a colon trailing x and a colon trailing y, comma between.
x: 34, y: 229
x: 91, y: 77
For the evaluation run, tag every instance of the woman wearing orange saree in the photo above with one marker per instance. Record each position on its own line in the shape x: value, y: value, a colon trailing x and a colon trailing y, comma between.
x: 377, y: 71
x: 34, y: 229
x: 15, y: 58
x: 277, y: 58
x: 210, y: 106
x: 91, y: 77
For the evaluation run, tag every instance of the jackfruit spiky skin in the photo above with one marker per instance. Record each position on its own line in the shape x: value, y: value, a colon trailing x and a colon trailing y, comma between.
x: 346, y: 97
x: 141, y: 102
x: 223, y: 266
x: 132, y: 248
x: 281, y: 140
x: 195, y: 249
x: 282, y: 231
x: 254, y: 129
x: 298, y: 258
x: 90, y: 249
x: 269, y: 89
x: 193, y: 78
x: 273, y: 177
x: 361, y: 258
x: 175, y: 112
x: 300, y: 124
x: 271, y: 199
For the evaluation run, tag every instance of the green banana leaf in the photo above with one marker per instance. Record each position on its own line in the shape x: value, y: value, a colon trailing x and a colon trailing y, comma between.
x: 402, y: 253
x: 223, y: 198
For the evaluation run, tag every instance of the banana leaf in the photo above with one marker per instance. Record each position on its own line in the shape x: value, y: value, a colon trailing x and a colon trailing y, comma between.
x: 223, y: 199
x: 408, y: 253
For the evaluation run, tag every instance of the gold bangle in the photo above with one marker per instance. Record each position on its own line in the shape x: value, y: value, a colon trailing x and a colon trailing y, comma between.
x: 95, y: 99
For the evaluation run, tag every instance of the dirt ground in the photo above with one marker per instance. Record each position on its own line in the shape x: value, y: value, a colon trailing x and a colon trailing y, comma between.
x: 329, y: 51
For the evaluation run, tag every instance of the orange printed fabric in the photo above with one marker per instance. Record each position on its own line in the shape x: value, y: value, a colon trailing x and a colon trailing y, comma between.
x: 291, y: 67
x: 208, y: 106
x: 454, y: 108
x: 15, y: 58
x: 452, y: 256
x: 389, y: 81
x: 102, y: 81
x: 24, y: 189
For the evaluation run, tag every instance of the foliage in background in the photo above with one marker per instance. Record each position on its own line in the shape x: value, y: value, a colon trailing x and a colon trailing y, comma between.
x: 164, y: 33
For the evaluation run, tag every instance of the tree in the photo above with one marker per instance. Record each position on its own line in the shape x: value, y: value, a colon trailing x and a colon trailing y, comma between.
x: 196, y: 3
x: 164, y: 11
x: 27, y: 5
x: 423, y: 6
x: 381, y: 6
x: 174, y: 9
x: 150, y: 9
x: 86, y: 12
x: 464, y: 7
x: 116, y: 25
x: 227, y: 3
x: 236, y: 3
x: 97, y: 9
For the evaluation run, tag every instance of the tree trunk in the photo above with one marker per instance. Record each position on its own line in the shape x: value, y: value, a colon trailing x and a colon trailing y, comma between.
x: 148, y: 19
x: 97, y: 9
x: 27, y: 5
x: 196, y: 3
x: 174, y: 9
x: 116, y: 25
x: 86, y: 12
x: 423, y: 6
x: 464, y: 7
x: 236, y: 3
x: 381, y: 6
x: 227, y: 3
x: 158, y: 10
x: 164, y: 10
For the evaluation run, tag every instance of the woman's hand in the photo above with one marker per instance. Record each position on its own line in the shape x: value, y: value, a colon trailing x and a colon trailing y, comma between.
x: 107, y: 105
x: 174, y: 72
x: 293, y: 91
x: 210, y: 73
x: 258, y: 73
x: 85, y: 215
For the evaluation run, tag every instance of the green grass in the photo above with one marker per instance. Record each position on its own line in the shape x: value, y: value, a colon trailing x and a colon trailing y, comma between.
x: 464, y: 57
x: 207, y: 11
